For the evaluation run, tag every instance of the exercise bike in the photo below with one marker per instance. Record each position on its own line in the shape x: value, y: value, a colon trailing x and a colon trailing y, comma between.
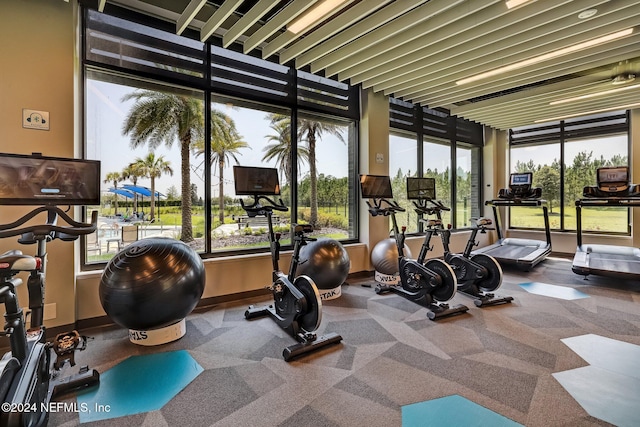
x: 478, y: 275
x: 297, y: 307
x: 430, y: 283
x: 29, y: 380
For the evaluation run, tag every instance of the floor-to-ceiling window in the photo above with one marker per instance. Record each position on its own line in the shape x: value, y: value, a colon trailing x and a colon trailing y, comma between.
x: 430, y: 143
x: 169, y: 116
x: 564, y: 157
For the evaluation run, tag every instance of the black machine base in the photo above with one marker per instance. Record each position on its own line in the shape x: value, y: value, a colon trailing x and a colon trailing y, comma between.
x: 85, y: 378
x: 296, y: 350
x: 436, y: 310
x: 307, y: 342
x: 483, y: 299
x: 486, y: 299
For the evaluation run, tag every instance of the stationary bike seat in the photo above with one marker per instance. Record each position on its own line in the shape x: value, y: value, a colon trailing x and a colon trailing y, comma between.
x: 431, y: 222
x: 16, y: 261
x: 482, y: 222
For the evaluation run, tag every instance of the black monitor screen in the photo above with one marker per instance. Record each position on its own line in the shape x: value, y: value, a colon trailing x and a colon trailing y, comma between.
x: 525, y: 178
x: 376, y: 187
x: 421, y: 188
x: 251, y: 181
x: 613, y: 175
x: 39, y: 180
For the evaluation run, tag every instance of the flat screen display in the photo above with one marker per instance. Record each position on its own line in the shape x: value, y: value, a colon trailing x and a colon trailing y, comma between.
x: 525, y: 178
x: 376, y: 187
x: 421, y: 188
x: 613, y: 175
x: 40, y: 180
x: 252, y: 181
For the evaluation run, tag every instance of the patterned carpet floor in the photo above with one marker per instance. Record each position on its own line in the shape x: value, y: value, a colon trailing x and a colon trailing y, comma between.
x: 502, y: 358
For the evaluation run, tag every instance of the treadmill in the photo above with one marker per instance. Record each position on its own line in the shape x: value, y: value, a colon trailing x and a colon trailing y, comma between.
x: 524, y: 253
x: 613, y: 189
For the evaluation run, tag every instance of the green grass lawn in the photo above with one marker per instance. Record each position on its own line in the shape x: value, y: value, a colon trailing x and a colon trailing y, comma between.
x: 593, y: 219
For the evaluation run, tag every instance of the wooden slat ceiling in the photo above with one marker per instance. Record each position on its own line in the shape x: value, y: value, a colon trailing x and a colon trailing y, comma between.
x: 419, y: 50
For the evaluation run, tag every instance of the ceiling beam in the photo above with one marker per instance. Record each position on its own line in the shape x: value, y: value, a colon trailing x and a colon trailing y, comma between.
x: 357, y: 30
x: 249, y: 18
x: 444, y: 78
x: 288, y: 37
x: 333, y: 26
x: 417, y: 16
x: 478, y: 49
x: 435, y: 31
x: 218, y: 17
x: 275, y: 24
x: 189, y: 14
x: 493, y: 25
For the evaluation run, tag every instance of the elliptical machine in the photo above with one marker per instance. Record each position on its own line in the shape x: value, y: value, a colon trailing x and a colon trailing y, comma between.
x: 477, y: 275
x: 430, y: 283
x: 297, y: 307
x: 29, y: 381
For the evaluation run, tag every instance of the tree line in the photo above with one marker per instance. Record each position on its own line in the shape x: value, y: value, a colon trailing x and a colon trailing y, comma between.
x: 577, y: 175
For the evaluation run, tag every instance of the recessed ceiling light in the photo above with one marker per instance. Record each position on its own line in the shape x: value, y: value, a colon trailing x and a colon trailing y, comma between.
x: 587, y: 13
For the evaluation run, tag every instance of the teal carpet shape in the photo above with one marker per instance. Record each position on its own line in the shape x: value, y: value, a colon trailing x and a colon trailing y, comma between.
x: 609, y: 388
x: 452, y: 411
x: 138, y: 384
x: 553, y: 291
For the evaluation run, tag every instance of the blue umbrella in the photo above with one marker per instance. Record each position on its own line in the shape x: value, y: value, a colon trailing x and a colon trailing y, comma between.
x: 143, y: 191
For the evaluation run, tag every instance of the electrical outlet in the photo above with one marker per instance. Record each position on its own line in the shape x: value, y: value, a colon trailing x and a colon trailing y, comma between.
x: 379, y: 158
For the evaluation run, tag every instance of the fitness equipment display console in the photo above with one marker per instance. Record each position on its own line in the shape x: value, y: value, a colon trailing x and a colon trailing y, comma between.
x: 297, y: 307
x: 477, y: 275
x: 525, y: 253
x: 430, y: 283
x: 612, y: 189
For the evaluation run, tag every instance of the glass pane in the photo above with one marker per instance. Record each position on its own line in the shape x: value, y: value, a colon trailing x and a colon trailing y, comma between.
x: 437, y: 164
x: 544, y: 162
x: 326, y: 169
x: 582, y: 159
x: 144, y: 170
x: 467, y: 184
x: 246, y: 134
x: 403, y: 162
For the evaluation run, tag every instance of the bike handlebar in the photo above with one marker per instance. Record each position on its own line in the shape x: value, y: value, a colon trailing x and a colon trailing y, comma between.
x: 257, y: 209
x: 50, y: 229
x: 377, y: 208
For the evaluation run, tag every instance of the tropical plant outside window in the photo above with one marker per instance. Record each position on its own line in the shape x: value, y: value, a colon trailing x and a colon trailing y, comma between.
x: 143, y: 134
x: 146, y: 100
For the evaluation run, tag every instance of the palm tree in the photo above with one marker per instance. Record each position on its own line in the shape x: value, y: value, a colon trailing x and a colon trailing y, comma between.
x: 114, y: 178
x: 159, y: 117
x: 225, y: 144
x: 152, y: 167
x: 310, y: 131
x: 133, y: 172
x: 281, y: 150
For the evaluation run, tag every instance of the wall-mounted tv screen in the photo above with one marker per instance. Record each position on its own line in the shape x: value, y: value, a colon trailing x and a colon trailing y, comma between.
x: 376, y: 187
x: 40, y: 180
x: 252, y: 181
x: 421, y: 188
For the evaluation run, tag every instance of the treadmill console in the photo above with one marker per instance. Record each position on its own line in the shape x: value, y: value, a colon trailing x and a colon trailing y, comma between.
x: 520, y: 187
x: 611, y: 182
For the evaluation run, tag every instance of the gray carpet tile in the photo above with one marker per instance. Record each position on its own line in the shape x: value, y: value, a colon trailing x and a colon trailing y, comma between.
x: 501, y: 357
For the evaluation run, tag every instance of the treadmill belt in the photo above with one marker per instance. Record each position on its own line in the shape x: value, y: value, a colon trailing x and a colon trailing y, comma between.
x: 614, y: 263
x: 511, y: 252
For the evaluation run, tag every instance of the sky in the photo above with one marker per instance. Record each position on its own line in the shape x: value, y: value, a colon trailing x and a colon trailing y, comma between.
x: 105, y: 142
